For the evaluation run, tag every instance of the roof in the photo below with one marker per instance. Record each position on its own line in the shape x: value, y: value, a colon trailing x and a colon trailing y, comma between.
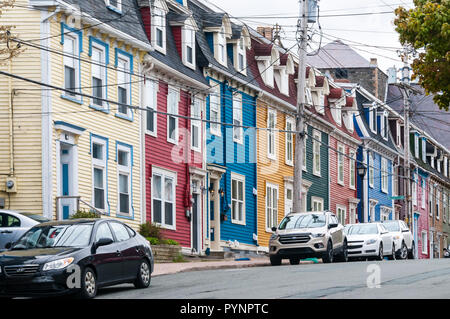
x: 335, y: 55
x: 425, y: 114
x: 129, y: 21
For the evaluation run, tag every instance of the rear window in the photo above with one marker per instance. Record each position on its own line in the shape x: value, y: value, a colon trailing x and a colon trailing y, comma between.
x: 38, y: 218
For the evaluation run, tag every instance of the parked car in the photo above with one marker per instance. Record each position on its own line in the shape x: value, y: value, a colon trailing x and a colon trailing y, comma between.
x: 447, y: 252
x: 347, y: 227
x: 14, y: 224
x: 370, y: 240
x: 306, y: 235
x: 403, y: 238
x: 98, y: 252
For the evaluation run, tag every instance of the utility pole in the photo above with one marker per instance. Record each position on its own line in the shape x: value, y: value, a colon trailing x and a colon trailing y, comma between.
x: 299, y: 127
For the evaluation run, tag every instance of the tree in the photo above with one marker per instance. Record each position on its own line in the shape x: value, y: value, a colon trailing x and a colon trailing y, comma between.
x: 426, y: 28
x: 8, y: 48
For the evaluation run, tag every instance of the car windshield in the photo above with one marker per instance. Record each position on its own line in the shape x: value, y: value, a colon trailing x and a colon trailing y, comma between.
x: 363, y: 229
x: 77, y: 235
x: 392, y: 226
x: 38, y: 218
x: 303, y: 221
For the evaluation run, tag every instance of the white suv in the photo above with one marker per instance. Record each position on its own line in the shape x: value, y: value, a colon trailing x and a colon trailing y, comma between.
x: 403, y: 238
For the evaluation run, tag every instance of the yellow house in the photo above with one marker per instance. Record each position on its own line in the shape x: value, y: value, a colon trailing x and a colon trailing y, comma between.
x: 66, y: 145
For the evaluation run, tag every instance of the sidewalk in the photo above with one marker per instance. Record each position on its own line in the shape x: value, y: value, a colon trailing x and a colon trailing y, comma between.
x: 173, y: 268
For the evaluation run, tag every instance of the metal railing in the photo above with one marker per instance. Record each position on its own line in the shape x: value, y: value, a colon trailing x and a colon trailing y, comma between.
x: 78, y: 201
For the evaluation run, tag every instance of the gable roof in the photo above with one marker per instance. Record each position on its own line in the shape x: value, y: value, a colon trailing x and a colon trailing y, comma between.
x: 335, y: 55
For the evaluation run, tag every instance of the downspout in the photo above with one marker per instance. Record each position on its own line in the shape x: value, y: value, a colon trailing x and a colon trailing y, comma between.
x: 11, y: 121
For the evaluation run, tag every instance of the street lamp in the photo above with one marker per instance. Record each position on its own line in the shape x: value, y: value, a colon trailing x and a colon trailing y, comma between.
x: 362, y: 169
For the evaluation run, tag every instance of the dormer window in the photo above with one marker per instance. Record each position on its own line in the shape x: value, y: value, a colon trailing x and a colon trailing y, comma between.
x: 241, y: 56
x: 283, y: 70
x: 114, y: 5
x: 416, y: 145
x: 424, y: 149
x: 189, y: 46
x: 309, y: 100
x: 221, y: 47
x: 373, y: 118
x: 268, y: 57
x: 398, y: 131
x: 159, y: 26
x: 384, y: 125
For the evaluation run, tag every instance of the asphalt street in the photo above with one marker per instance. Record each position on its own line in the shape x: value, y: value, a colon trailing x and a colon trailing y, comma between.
x: 354, y: 280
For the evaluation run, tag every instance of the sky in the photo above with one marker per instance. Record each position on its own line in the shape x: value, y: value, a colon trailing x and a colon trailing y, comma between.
x: 371, y: 35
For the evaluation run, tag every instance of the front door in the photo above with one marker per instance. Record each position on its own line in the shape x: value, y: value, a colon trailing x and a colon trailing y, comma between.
x: 195, y: 224
x: 288, y: 194
x: 67, y: 204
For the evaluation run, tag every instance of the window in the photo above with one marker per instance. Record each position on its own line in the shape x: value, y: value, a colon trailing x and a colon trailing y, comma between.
x: 214, y: 110
x: 288, y: 200
x: 189, y: 47
x: 70, y: 65
x: 221, y: 47
x: 316, y: 152
x: 424, y: 185
x: 384, y: 175
x: 424, y: 242
x: 373, y: 118
x: 99, y: 57
x: 384, y: 125
x: 196, y: 126
x: 159, y: 29
x: 237, y: 119
x: 7, y: 220
x: 430, y: 199
x: 120, y: 231
x: 341, y: 214
x: 151, y: 104
x: 446, y: 166
x: 317, y: 204
x: 445, y: 206
x: 309, y: 100
x: 372, y: 206
x: 124, y: 164
x: 290, y: 142
x: 340, y: 164
x: 271, y: 206
x: 237, y: 199
x: 398, y: 131
x: 99, y: 159
x: 115, y: 5
x: 395, y: 190
x: 163, y: 198
x: 172, y: 120
x: 352, y: 168
x: 103, y: 231
x: 320, y: 107
x: 371, y: 171
x: 241, y: 56
x: 414, y: 189
x: 438, y: 202
x: 416, y: 145
x: 271, y: 138
x: 124, y: 85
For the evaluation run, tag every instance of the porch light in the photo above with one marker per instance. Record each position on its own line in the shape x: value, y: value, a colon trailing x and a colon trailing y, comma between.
x: 362, y: 169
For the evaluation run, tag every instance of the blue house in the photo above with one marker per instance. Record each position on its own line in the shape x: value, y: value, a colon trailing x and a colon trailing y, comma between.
x: 222, y: 47
x: 379, y: 153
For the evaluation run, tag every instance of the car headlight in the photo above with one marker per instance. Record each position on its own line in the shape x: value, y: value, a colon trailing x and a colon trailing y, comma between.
x: 274, y: 237
x: 371, y: 241
x: 58, y: 264
x: 317, y: 235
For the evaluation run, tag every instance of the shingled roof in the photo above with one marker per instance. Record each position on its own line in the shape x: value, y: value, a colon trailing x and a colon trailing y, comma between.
x: 337, y: 54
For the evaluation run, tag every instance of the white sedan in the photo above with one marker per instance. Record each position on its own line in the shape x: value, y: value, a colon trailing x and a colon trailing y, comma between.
x: 403, y: 238
x: 370, y: 240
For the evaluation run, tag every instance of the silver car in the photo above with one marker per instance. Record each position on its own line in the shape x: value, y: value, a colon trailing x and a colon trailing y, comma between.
x: 14, y: 224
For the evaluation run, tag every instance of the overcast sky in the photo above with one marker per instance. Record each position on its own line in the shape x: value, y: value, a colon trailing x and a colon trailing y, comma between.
x: 359, y: 31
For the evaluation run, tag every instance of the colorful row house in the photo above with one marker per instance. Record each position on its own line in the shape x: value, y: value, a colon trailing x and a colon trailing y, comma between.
x: 77, y: 147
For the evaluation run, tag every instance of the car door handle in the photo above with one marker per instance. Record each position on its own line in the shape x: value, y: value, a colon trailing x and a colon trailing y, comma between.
x: 6, y: 232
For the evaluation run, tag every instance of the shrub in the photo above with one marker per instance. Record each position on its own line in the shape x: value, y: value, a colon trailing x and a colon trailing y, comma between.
x: 171, y: 242
x: 85, y: 214
x: 157, y: 241
x: 153, y: 241
x: 179, y: 259
x: 150, y: 230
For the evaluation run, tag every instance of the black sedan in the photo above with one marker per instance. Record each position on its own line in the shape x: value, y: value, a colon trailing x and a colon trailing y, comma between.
x: 76, y: 256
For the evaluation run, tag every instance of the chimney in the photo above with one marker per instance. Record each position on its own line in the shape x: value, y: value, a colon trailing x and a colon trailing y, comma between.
x: 266, y: 32
x: 373, y: 63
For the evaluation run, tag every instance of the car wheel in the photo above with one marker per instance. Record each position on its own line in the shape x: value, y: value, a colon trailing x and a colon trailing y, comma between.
x: 412, y: 253
x: 88, y: 284
x: 343, y: 256
x: 275, y: 260
x: 380, y: 253
x: 392, y: 257
x: 294, y: 260
x: 403, y: 251
x: 144, y: 275
x: 328, y: 256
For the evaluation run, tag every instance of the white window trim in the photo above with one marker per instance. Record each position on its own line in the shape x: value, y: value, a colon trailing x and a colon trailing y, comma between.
x: 241, y: 51
x: 126, y: 85
x: 371, y: 170
x: 438, y: 204
x: 272, y: 134
x: 102, y: 66
x: 384, y: 174
x: 221, y: 39
x: 238, y: 178
x: 318, y: 200
x: 124, y: 170
x: 424, y: 244
x: 100, y: 164
x: 158, y: 15
x: 188, y: 34
x: 171, y: 175
x: 215, y: 103
x: 341, y: 161
x: 414, y: 189
x: 372, y: 114
x: 344, y: 209
x: 118, y: 7
x: 385, y: 212
x: 352, y: 170
x: 177, y: 102
x: 308, y: 99
x: 416, y: 145
x: 317, y: 136
x: 76, y: 64
x: 424, y: 185
x: 238, y: 114
x: 197, y: 124
x: 271, y: 187
x: 291, y: 122
x: 151, y: 101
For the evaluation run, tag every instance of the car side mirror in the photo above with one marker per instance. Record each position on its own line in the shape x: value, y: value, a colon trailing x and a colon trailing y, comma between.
x: 8, y: 245
x: 103, y: 242
x: 332, y: 226
x: 405, y: 230
x: 274, y: 229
